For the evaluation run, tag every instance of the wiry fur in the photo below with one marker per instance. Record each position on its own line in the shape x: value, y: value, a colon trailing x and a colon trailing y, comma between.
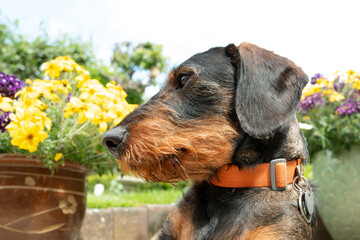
x: 162, y: 148
x: 235, y: 105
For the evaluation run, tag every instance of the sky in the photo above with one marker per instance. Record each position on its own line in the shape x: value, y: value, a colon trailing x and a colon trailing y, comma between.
x: 319, y: 36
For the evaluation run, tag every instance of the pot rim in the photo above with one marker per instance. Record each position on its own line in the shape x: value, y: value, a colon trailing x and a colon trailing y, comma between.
x: 23, y: 159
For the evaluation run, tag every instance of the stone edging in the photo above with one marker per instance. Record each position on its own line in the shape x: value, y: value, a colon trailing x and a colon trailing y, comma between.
x: 138, y: 223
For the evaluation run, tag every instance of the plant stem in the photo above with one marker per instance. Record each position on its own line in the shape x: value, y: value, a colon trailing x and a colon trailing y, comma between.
x: 62, y: 124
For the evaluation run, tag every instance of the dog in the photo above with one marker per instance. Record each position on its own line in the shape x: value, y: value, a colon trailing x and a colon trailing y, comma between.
x: 229, y: 107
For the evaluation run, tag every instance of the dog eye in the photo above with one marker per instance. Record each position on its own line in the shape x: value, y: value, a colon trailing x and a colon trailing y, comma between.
x: 182, y: 80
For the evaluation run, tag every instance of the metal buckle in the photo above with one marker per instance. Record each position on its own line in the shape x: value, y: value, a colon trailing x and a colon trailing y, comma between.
x: 273, y: 174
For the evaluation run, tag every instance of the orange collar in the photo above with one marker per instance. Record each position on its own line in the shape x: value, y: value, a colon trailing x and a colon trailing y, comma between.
x: 277, y: 174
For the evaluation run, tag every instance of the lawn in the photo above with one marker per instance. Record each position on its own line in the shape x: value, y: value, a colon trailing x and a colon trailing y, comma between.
x: 114, y: 194
x: 134, y: 199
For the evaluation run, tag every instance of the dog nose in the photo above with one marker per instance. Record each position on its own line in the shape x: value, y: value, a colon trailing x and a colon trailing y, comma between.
x: 114, y: 138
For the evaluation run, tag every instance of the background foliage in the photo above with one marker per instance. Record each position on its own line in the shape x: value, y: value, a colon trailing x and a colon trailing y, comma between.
x: 23, y: 57
x: 331, y: 106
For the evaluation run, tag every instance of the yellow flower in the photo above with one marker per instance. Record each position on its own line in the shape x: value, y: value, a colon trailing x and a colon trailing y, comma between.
x: 335, y: 96
x: 28, y: 92
x: 80, y: 69
x: 66, y: 63
x: 58, y: 156
x: 102, y: 119
x: 28, y: 136
x: 64, y: 87
x: 52, y: 69
x: 356, y: 84
x: 328, y: 91
x: 350, y: 73
x: 85, y: 110
x: 82, y: 78
x: 5, y: 104
x: 72, y: 107
x: 42, y: 118
x: 310, y: 91
x: 46, y: 89
x: 16, y: 118
x: 89, y: 111
x: 32, y: 114
x: 92, y: 91
x: 119, y: 111
x: 116, y: 90
x: 69, y: 110
x: 324, y: 82
x: 29, y: 103
x: 307, y: 117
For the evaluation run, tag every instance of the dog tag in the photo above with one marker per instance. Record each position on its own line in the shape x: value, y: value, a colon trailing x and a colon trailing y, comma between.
x: 309, y: 202
x: 302, y: 205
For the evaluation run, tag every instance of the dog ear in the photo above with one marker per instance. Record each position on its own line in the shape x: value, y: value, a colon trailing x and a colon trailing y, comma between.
x: 268, y: 89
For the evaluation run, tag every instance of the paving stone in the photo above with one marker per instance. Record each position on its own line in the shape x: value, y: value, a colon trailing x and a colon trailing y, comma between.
x: 139, y: 223
x: 98, y: 225
x: 157, y: 215
x: 130, y: 223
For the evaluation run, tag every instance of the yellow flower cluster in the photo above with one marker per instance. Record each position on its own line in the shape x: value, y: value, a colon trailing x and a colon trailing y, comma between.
x: 353, y: 78
x: 49, y: 89
x: 28, y: 120
x: 88, y: 98
x: 101, y: 105
x: 325, y: 87
x: 5, y: 104
x: 62, y: 64
x: 27, y: 127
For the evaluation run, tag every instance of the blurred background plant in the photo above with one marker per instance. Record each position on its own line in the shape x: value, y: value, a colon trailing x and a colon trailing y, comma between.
x: 23, y: 57
x: 331, y: 106
x: 133, y: 66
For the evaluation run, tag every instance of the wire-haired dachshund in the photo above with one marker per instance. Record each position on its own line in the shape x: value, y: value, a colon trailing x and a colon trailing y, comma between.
x: 225, y: 119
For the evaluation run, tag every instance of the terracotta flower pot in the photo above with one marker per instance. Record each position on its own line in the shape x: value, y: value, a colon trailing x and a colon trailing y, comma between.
x: 37, y: 205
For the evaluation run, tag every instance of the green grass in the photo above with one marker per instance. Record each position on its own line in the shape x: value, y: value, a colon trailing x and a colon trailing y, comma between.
x: 134, y: 199
x: 308, y: 172
x: 146, y: 193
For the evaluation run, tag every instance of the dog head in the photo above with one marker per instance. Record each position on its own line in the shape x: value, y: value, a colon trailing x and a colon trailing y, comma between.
x: 211, y: 106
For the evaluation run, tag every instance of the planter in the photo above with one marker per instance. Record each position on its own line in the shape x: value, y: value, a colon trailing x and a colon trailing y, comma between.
x: 37, y: 205
x: 338, y: 192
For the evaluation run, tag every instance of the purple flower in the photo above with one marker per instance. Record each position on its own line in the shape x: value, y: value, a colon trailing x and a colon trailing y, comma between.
x: 69, y: 97
x: 315, y: 77
x: 11, y: 78
x: 349, y: 107
x: 4, y: 120
x: 9, y: 85
x: 310, y: 102
x: 4, y: 81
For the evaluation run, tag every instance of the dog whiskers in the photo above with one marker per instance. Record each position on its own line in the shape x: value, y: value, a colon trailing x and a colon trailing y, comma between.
x: 176, y: 165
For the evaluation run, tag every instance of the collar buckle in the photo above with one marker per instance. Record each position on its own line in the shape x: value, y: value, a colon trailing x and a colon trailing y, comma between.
x: 273, y: 174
